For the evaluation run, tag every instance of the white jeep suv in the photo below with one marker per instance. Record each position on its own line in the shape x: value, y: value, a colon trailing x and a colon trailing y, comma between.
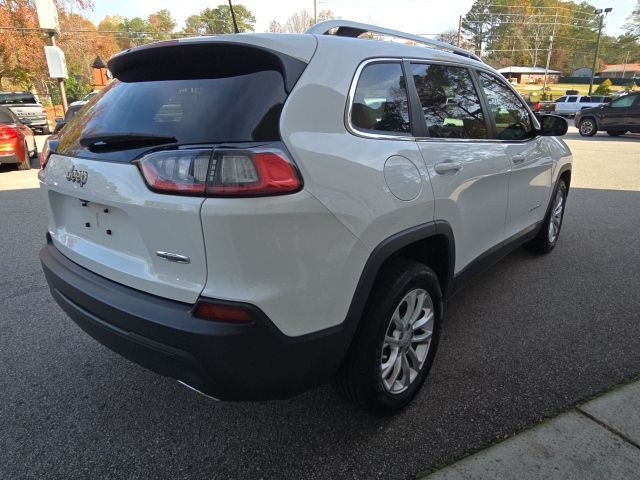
x: 255, y: 215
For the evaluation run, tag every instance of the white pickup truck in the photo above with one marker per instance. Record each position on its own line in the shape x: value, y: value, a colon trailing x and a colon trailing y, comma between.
x: 568, y: 105
x: 28, y: 109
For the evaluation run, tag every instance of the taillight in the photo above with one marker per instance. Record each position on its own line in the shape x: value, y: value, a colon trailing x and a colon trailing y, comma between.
x: 177, y: 171
x: 251, y: 173
x: 219, y: 312
x: 44, y: 155
x: 221, y: 173
x: 8, y: 133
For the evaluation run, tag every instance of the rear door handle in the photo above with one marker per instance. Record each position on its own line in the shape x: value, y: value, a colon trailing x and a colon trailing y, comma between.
x: 518, y: 158
x: 446, y: 167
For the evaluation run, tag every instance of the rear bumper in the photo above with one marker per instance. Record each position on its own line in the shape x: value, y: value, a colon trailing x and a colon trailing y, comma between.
x: 9, y: 158
x: 227, y: 361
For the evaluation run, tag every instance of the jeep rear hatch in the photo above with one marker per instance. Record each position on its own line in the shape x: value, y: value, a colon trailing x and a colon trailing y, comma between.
x: 169, y: 107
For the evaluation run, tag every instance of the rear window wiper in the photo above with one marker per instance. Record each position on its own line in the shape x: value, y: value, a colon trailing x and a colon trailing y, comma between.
x: 111, y: 140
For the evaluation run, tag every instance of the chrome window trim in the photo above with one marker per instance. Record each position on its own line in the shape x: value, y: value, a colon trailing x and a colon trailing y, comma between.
x: 351, y: 95
x: 389, y: 136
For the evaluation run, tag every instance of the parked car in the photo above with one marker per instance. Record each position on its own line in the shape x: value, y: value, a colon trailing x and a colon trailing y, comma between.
x: 618, y: 117
x: 568, y: 105
x: 17, y: 143
x: 26, y: 107
x: 296, y: 210
x: 73, y: 109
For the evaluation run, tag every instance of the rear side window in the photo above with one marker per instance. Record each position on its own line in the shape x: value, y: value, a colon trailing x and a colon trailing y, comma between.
x: 511, y: 118
x: 450, y: 102
x: 380, y: 100
x: 588, y: 99
x: 623, y: 102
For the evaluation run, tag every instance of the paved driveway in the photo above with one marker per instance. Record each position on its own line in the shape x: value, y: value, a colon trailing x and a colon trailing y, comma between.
x: 525, y: 341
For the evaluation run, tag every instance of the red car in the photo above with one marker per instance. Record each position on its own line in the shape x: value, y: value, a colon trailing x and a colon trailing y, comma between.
x: 17, y: 143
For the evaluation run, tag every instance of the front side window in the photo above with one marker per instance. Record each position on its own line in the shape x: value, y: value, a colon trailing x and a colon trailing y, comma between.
x: 449, y: 101
x: 572, y: 99
x: 623, y: 102
x: 380, y: 100
x: 561, y: 100
x: 511, y: 117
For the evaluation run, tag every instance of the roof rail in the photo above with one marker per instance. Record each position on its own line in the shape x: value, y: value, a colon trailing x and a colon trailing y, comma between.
x: 346, y: 28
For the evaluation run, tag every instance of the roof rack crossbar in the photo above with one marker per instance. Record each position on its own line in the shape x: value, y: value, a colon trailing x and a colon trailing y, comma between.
x: 346, y: 28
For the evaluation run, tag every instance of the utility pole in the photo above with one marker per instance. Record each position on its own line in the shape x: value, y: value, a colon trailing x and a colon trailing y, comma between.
x: 63, y: 93
x: 546, y: 68
x: 598, y: 12
x: 315, y: 11
x: 459, y: 41
x: 624, y: 66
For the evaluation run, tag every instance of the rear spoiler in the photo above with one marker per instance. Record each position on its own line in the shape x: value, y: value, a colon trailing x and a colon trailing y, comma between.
x: 175, y: 60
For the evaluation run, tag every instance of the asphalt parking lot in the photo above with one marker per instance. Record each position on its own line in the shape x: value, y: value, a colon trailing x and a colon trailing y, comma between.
x: 525, y: 341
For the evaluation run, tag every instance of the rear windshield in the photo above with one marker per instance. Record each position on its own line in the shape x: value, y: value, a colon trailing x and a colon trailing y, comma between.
x: 16, y: 98
x: 5, y: 116
x: 229, y: 109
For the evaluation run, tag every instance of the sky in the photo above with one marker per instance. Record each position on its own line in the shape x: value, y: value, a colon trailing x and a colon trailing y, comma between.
x: 413, y: 16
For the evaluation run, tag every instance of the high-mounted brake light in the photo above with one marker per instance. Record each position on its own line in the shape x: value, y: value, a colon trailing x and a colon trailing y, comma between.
x: 221, y: 173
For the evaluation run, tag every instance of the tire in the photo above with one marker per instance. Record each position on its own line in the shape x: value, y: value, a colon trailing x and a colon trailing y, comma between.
x: 46, y: 130
x: 35, y: 150
x: 363, y: 379
x: 616, y: 133
x: 588, y: 127
x: 545, y: 241
x: 26, y: 163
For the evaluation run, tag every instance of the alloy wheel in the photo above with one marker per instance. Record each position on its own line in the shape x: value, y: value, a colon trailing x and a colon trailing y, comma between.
x: 407, y: 341
x: 556, y: 217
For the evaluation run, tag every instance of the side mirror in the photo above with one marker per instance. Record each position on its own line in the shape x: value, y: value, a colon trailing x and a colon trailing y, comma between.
x: 553, y: 126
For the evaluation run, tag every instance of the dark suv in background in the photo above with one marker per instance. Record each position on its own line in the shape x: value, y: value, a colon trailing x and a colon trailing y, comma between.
x: 617, y: 117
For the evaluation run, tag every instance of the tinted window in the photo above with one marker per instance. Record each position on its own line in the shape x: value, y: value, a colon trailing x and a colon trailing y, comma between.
x: 511, y: 117
x: 449, y: 101
x: 380, y: 101
x: 7, y: 117
x: 16, y: 98
x: 572, y: 99
x: 561, y: 99
x: 236, y: 108
x: 623, y: 102
x: 588, y: 99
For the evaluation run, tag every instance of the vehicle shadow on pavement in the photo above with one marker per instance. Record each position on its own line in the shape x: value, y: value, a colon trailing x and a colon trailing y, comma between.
x: 526, y: 340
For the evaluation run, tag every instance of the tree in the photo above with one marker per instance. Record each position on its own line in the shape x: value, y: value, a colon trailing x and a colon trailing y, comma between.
x: 218, y: 21
x: 633, y: 21
x: 449, y: 36
x: 275, y: 27
x: 162, y: 24
x: 604, y: 88
x: 301, y: 21
x: 478, y: 23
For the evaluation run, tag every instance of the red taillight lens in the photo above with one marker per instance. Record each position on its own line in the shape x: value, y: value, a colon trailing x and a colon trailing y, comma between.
x: 226, y: 173
x: 8, y: 133
x: 252, y: 173
x: 44, y: 155
x: 225, y: 313
x: 176, y: 171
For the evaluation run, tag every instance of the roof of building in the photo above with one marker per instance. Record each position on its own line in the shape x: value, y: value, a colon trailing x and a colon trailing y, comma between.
x: 528, y: 70
x: 629, y: 67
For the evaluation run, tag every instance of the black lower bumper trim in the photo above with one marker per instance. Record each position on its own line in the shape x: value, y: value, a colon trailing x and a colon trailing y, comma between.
x: 224, y: 360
